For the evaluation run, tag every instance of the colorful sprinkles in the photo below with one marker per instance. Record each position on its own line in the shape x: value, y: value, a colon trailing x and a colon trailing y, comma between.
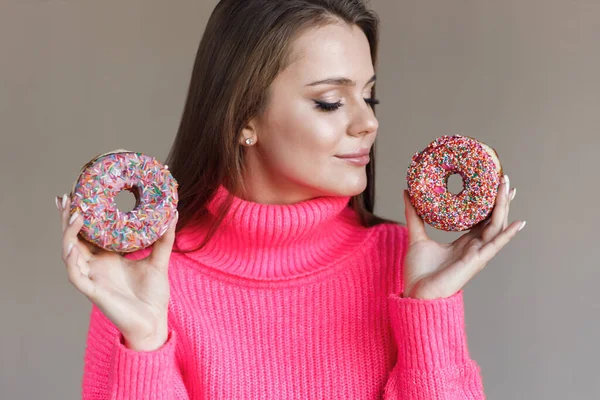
x: 95, y: 191
x: 427, y: 179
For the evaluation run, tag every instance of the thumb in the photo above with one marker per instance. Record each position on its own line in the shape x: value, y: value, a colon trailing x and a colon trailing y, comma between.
x: 161, y: 250
x: 416, y: 226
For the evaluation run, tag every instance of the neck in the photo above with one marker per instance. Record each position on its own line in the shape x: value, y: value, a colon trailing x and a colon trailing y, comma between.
x: 273, y: 241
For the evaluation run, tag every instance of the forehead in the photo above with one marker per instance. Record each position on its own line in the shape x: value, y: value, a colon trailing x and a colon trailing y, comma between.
x: 334, y: 49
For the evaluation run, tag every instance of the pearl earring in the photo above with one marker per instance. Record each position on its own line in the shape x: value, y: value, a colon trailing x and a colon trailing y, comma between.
x: 249, y: 141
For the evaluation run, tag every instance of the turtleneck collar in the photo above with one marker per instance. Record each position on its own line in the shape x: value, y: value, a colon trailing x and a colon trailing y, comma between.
x: 274, y: 241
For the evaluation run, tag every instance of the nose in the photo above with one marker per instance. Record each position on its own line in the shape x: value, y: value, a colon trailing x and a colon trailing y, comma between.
x: 364, y: 121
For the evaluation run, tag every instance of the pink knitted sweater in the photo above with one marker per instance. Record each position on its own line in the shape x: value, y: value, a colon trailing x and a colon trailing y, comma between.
x: 290, y: 302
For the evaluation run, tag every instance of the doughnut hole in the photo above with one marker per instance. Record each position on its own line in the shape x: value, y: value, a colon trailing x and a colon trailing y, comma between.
x: 455, y: 184
x: 127, y: 199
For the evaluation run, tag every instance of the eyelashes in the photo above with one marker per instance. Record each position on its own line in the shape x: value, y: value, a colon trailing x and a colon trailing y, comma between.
x: 323, y: 106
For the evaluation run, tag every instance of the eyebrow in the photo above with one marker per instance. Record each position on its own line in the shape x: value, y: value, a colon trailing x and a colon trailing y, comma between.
x: 339, y: 81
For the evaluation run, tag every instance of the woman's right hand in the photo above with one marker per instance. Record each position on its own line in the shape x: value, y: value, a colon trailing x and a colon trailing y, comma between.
x: 133, y: 294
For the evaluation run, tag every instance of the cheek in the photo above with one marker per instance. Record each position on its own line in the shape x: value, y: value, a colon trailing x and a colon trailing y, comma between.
x: 309, y: 139
x: 300, y: 144
x: 320, y: 133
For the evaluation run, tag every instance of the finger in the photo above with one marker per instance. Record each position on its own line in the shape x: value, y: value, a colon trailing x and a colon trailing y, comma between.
x: 65, y: 217
x: 509, y: 200
x: 478, y: 229
x: 415, y: 224
x: 58, y: 201
x: 70, y: 237
x: 65, y: 210
x: 161, y: 250
x: 80, y: 280
x: 459, y: 274
x: 475, y: 232
x: 490, y: 249
x: 498, y: 214
x: 508, y: 192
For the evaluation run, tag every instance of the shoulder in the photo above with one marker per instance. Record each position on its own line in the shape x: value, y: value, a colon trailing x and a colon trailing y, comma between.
x: 391, y: 241
x: 392, y: 236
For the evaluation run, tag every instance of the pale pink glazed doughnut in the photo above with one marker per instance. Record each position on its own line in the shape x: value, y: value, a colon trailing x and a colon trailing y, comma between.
x: 100, y: 181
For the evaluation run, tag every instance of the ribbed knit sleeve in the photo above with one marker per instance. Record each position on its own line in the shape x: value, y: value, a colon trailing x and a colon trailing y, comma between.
x: 113, y: 371
x: 433, y: 358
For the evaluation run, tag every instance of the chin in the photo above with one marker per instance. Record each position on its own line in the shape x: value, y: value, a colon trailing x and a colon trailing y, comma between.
x: 348, y: 188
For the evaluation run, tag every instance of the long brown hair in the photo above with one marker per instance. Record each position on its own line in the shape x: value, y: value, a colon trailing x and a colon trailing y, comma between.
x: 245, y: 45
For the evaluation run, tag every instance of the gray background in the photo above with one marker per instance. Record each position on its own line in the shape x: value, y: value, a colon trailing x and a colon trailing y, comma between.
x: 83, y: 77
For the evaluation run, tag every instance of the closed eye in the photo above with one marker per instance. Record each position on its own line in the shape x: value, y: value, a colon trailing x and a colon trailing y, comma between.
x: 324, y: 106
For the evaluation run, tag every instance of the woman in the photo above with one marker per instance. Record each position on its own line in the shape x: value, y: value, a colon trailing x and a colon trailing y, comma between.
x: 277, y: 281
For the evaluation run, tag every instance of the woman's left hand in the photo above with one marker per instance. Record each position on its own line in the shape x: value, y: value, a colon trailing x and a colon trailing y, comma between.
x: 435, y: 270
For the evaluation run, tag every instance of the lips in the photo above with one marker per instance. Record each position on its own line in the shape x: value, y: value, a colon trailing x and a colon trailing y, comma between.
x: 359, y: 158
x: 356, y: 154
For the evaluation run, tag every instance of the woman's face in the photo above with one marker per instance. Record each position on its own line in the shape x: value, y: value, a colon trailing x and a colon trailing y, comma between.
x: 299, y: 143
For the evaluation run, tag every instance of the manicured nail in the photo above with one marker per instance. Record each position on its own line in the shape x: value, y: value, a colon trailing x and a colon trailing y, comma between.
x: 522, y: 226
x: 64, y: 200
x: 514, y: 192
x: 73, y: 217
x: 69, y: 248
x: 56, y: 202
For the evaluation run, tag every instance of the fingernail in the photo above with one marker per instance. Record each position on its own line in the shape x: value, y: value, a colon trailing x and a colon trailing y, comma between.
x: 522, y: 226
x: 73, y: 217
x: 69, y: 248
x: 507, y: 184
x: 64, y: 200
x: 56, y: 202
x: 513, y: 194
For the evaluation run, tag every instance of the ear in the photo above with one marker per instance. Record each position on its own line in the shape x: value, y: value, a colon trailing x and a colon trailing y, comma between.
x: 248, y: 132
